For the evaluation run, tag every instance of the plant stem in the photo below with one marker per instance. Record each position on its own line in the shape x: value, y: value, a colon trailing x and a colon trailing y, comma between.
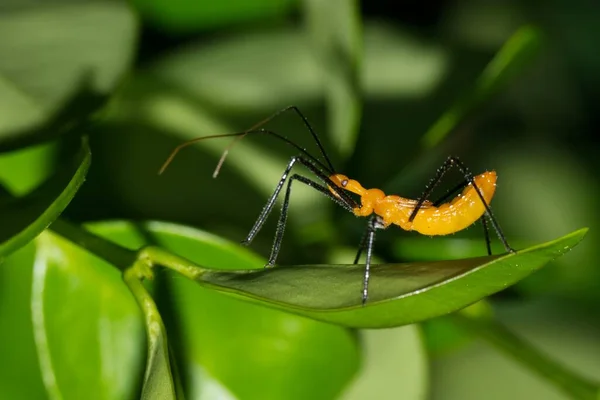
x: 500, y: 336
x: 158, y: 378
x: 157, y: 256
x: 121, y: 257
x: 116, y: 255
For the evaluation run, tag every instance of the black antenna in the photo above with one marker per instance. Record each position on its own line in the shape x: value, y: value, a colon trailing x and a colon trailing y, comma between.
x: 241, y: 135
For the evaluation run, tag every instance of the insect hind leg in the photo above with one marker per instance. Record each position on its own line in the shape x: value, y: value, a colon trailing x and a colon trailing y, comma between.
x: 284, y: 211
x: 486, y: 233
x: 469, y: 180
x: 450, y: 193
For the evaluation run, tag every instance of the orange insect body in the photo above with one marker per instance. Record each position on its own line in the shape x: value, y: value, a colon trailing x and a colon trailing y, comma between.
x: 447, y: 218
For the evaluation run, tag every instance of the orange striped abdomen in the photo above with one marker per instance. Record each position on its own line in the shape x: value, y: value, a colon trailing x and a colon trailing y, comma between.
x: 458, y: 214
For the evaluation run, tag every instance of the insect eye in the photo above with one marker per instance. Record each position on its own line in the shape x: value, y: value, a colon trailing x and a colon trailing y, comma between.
x: 344, y: 182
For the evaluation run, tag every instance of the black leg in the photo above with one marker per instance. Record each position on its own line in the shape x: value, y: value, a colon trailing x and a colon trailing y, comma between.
x: 361, y: 246
x: 451, y: 193
x: 370, y: 240
x: 448, y: 164
x: 441, y: 171
x: 486, y: 233
x: 306, y: 123
x: 284, y: 211
x: 342, y: 198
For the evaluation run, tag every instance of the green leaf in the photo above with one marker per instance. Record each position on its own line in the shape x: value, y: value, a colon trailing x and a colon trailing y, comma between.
x: 88, y: 328
x: 26, y: 217
x: 203, y: 89
x: 58, y: 61
x: 181, y: 16
x: 509, y: 61
x: 399, y: 294
x: 24, y: 170
x: 336, y: 31
x: 228, y: 347
x: 564, y: 358
x: 565, y: 200
x: 20, y: 376
x: 232, y: 74
x: 74, y: 116
x: 442, y: 336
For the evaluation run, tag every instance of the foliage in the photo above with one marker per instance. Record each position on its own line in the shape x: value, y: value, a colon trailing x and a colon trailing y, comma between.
x: 118, y: 309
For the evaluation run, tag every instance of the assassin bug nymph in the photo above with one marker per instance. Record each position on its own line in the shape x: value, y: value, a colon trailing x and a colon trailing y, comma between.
x: 422, y: 215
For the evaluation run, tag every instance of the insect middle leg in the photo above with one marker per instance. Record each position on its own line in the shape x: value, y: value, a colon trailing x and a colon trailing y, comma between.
x: 451, y: 192
x: 455, y: 162
x: 367, y: 242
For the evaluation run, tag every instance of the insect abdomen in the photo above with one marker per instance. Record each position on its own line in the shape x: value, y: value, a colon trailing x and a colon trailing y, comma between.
x: 455, y: 215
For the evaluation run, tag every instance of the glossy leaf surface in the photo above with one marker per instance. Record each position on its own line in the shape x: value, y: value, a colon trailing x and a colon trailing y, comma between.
x: 88, y: 329
x: 20, y: 376
x: 232, y: 348
x: 399, y: 294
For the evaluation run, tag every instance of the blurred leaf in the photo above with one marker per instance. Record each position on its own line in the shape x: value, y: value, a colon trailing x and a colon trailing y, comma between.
x: 73, y: 118
x: 433, y: 248
x: 442, y: 335
x: 182, y: 16
x: 268, y: 70
x: 57, y: 62
x: 510, y: 60
x: 88, y: 328
x: 566, y: 196
x: 336, y: 31
x: 21, y: 171
x: 398, y: 294
x: 195, y: 90
x: 167, y: 109
x: 171, y: 111
x: 567, y: 334
x: 19, y: 370
x: 158, y: 380
x: 483, y: 25
x: 398, y: 64
x: 23, y: 218
x: 394, y: 366
x: 229, y: 348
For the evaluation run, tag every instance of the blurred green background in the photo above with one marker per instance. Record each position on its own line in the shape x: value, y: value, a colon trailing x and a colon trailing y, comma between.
x: 373, y: 78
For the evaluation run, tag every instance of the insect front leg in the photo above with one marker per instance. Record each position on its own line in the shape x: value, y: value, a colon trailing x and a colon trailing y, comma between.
x: 361, y: 246
x: 342, y: 199
x: 264, y: 214
x: 284, y: 211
